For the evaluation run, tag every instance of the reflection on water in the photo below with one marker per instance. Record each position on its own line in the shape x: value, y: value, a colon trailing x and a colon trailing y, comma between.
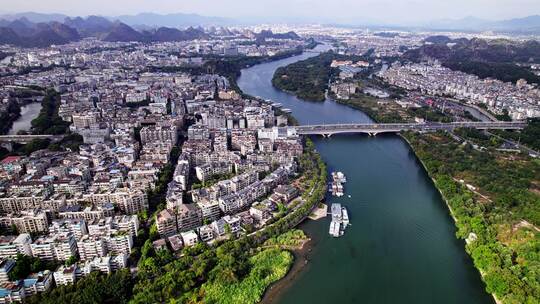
x: 28, y: 113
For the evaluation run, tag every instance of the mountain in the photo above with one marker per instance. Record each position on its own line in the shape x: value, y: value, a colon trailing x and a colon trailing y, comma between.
x: 172, y: 34
x: 90, y: 26
x: 22, y: 26
x: 268, y: 34
x: 520, y: 24
x: 60, y: 29
x: 35, y: 17
x: 124, y: 33
x: 8, y: 36
x: 25, y: 33
x: 46, y: 34
x: 172, y: 20
x: 530, y: 24
x: 467, y: 23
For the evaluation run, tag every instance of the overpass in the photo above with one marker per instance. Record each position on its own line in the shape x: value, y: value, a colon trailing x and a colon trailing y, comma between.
x: 376, y: 128
x: 7, y: 141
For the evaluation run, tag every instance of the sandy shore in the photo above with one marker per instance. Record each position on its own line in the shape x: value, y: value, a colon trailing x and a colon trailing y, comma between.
x: 301, y: 262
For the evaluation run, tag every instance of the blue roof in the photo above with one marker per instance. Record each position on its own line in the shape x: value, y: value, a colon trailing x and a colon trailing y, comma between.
x: 30, y: 282
x: 4, y: 292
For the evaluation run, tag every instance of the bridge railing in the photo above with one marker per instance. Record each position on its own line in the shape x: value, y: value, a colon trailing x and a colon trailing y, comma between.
x: 411, y: 126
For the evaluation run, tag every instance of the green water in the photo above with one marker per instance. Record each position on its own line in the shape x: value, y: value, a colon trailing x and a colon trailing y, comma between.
x: 401, y: 247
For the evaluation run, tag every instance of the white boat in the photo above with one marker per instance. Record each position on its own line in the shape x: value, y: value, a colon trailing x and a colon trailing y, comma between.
x: 335, y: 229
x: 336, y: 212
x: 342, y: 178
x: 345, y: 217
x: 340, y: 220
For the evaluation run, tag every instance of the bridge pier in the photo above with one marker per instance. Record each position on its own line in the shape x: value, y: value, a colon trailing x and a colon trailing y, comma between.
x: 373, y: 134
x: 327, y: 135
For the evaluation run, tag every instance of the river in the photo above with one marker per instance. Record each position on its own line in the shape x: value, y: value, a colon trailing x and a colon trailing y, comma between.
x: 28, y: 113
x: 401, y: 246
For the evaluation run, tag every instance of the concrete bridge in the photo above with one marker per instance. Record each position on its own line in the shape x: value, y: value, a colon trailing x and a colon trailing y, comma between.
x: 376, y: 128
x: 7, y: 141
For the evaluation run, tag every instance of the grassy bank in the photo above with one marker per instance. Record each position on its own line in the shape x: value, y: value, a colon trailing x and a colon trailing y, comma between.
x: 495, y: 202
x: 266, y: 267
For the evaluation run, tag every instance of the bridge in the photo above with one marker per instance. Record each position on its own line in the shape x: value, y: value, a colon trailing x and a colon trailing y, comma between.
x: 376, y: 128
x: 7, y: 141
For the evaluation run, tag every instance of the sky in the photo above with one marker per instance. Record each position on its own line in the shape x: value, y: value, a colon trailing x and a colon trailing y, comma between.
x: 339, y: 11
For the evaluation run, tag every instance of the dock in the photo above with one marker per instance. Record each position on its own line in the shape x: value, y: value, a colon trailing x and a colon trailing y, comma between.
x: 320, y: 212
x: 336, y: 186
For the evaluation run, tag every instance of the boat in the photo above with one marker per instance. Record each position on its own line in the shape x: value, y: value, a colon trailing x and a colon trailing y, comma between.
x: 335, y: 209
x: 286, y: 110
x: 345, y: 217
x: 336, y: 186
x: 341, y: 177
x: 340, y: 220
x: 335, y: 229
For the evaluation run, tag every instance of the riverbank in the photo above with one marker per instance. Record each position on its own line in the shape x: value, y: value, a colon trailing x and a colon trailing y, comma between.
x: 450, y: 209
x: 497, y: 237
x: 300, y: 263
x: 11, y: 113
x: 402, y: 240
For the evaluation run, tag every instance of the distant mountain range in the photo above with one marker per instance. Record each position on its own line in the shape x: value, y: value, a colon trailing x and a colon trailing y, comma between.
x: 143, y: 19
x: 36, y: 30
x: 530, y: 24
x: 25, y: 33
x: 173, y: 20
x: 22, y: 30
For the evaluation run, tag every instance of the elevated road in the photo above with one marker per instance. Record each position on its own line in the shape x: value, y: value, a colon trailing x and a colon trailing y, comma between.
x: 376, y: 128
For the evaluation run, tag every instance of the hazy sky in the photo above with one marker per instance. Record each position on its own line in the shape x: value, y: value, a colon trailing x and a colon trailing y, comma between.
x: 389, y: 11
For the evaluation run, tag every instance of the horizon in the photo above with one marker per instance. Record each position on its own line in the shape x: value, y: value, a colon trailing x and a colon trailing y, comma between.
x: 419, y: 12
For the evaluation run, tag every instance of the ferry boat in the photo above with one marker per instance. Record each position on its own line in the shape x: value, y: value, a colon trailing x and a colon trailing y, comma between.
x: 335, y: 229
x: 336, y: 212
x: 345, y: 217
x: 340, y: 220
